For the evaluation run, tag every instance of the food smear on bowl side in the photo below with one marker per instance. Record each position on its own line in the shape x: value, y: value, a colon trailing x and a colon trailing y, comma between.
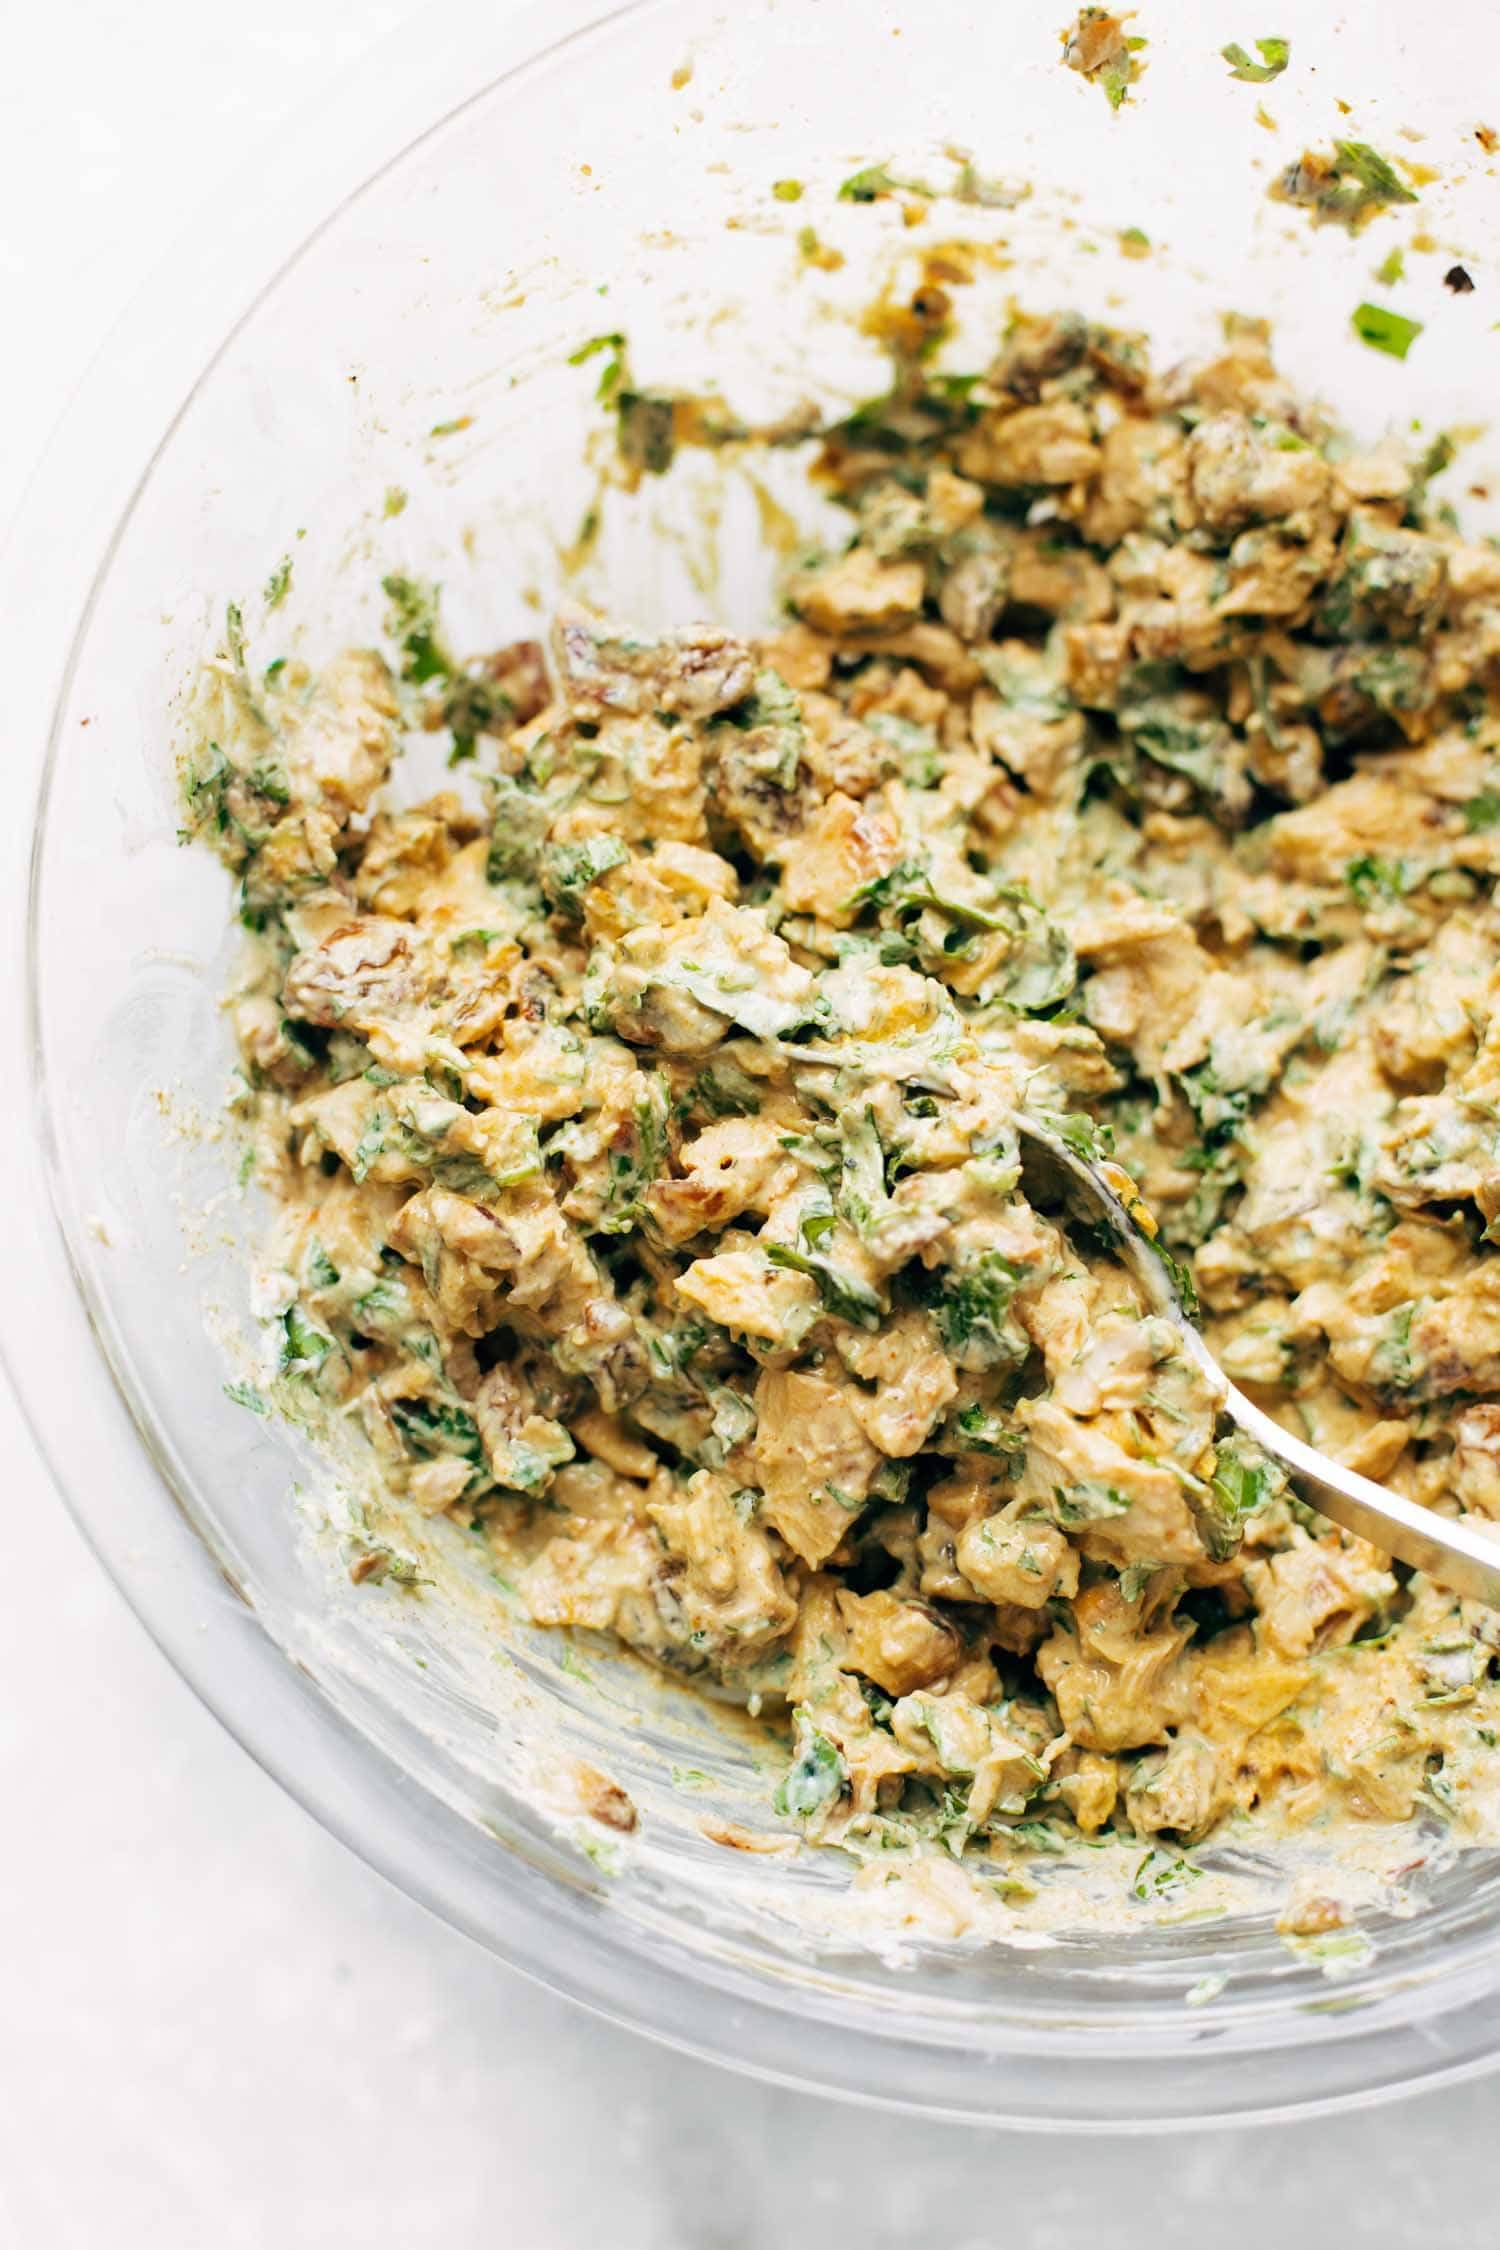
x: 642, y: 1108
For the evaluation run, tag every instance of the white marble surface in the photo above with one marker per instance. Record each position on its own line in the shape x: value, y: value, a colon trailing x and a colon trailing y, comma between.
x: 218, y: 2028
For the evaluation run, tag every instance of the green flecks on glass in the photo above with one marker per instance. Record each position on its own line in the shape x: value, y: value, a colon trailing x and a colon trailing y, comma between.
x: 612, y: 374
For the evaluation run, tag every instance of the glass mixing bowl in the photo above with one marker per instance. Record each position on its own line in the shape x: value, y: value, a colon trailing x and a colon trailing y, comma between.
x: 393, y: 304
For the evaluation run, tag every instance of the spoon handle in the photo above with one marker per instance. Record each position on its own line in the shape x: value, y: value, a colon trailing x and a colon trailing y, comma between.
x: 1457, y: 1555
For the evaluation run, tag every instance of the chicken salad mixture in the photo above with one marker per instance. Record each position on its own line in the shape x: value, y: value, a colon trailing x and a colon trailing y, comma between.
x: 642, y: 1118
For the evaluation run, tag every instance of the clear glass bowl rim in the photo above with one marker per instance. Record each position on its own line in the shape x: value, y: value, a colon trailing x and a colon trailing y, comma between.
x: 169, y: 341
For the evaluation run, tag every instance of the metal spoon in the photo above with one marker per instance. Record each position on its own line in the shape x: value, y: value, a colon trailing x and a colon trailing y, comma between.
x: 1453, y: 1554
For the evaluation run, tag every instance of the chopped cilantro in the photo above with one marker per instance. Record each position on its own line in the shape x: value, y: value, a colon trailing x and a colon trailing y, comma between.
x: 1374, y: 881
x: 1385, y: 331
x: 787, y: 191
x: 612, y: 374
x: 278, y: 585
x: 636, y: 1157
x: 1243, y: 1481
x: 1392, y: 1365
x: 320, y: 1269
x: 1134, y: 1580
x: 876, y: 180
x: 568, y: 870
x: 907, y: 888
x: 413, y: 623
x: 434, y: 1428
x: 304, y: 1346
x: 972, y: 1311
x: 1086, y: 1501
x: 977, y: 1430
x: 1084, y: 1135
x: 1162, y: 1875
x: 1374, y: 173
x: 1274, y: 54
x: 1346, y: 188
x: 522, y: 815
x: 817, y: 1775
x: 1482, y: 813
x: 845, y: 1295
x: 1037, y: 1835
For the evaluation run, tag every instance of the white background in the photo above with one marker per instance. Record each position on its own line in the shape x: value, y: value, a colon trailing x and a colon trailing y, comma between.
x: 216, y: 2028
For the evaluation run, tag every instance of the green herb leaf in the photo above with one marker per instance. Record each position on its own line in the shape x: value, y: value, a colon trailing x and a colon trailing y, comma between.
x: 635, y: 1162
x: 1178, y: 1273
x: 304, y: 1346
x: 431, y: 1429
x: 1385, y: 331
x: 1163, y: 1874
x: 972, y: 1311
x: 318, y: 1265
x: 612, y: 374
x: 907, y: 889
x: 817, y: 1775
x: 1087, y: 1501
x: 1375, y: 880
x: 845, y: 1295
x: 1243, y: 1481
x: 1274, y: 54
x: 413, y: 623
x: 1037, y: 1835
x: 568, y: 870
x: 1346, y: 188
x: 977, y: 1430
x: 1374, y: 173
x: 1084, y: 1135
x: 876, y: 180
